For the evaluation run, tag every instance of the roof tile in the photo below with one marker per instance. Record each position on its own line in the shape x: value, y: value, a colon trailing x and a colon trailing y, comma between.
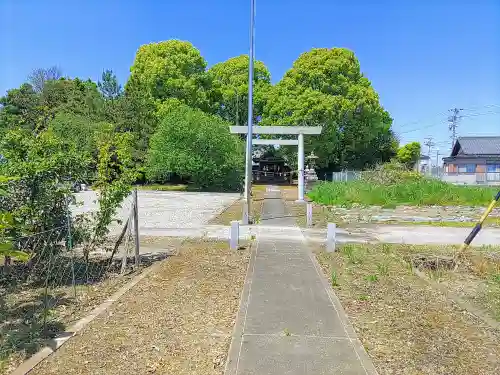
x: 480, y: 145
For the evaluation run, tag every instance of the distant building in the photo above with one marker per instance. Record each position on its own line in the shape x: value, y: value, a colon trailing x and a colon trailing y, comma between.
x: 474, y: 160
x: 423, y: 164
x: 271, y: 169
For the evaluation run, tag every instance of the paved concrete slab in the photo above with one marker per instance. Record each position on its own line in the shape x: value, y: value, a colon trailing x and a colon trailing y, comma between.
x: 297, y: 355
x: 290, y: 321
x: 376, y: 233
x: 423, y: 235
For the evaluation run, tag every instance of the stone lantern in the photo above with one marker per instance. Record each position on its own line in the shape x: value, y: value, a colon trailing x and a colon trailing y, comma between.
x: 310, y: 174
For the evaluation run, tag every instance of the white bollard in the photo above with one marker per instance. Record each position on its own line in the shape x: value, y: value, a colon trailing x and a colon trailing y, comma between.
x: 234, y: 236
x: 309, y: 214
x: 330, y: 237
x: 246, y: 218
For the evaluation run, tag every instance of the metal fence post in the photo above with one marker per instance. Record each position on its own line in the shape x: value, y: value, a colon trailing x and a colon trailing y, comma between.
x: 128, y: 234
x: 70, y: 247
x: 136, y: 229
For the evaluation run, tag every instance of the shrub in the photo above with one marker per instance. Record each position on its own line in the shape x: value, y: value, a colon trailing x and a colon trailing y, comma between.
x: 195, y: 146
x: 44, y: 166
x: 391, y: 185
x: 391, y: 173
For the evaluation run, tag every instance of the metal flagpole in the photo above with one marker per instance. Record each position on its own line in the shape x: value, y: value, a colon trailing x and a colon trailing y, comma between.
x: 248, y: 169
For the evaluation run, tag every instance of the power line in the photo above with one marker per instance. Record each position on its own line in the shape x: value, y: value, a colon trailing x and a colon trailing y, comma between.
x: 429, y: 143
x: 422, y: 121
x: 440, y: 123
x: 482, y: 106
x: 481, y: 114
x: 421, y: 128
x: 473, y: 108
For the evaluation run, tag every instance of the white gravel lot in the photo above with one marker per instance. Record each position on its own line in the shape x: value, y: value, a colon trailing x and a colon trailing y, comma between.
x: 165, y: 210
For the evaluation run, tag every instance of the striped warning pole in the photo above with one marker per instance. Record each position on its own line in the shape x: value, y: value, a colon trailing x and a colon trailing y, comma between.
x: 478, y: 226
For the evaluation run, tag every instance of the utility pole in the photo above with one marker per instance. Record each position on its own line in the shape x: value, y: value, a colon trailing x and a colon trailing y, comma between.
x: 248, y: 159
x: 428, y: 142
x: 453, y: 123
x: 438, y: 174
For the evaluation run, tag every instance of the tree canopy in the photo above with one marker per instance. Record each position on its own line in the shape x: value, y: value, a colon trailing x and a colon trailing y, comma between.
x: 325, y: 87
x: 196, y: 146
x: 409, y: 154
x: 109, y: 86
x: 173, y: 69
x: 231, y: 76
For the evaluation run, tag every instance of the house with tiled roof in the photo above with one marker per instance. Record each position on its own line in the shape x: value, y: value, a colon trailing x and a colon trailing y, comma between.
x: 474, y: 160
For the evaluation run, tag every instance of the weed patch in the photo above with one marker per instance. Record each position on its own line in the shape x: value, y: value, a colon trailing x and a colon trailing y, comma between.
x: 407, y: 325
x: 422, y: 192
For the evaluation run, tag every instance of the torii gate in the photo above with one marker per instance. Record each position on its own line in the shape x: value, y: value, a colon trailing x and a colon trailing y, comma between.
x: 281, y: 130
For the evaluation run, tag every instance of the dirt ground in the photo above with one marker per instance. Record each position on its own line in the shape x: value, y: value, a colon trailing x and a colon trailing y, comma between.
x: 235, y: 210
x: 24, y: 306
x: 178, y: 320
x: 407, y: 324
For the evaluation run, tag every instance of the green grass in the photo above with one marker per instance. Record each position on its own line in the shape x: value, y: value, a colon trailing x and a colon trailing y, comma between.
x: 334, y: 278
x: 158, y: 187
x: 423, y: 192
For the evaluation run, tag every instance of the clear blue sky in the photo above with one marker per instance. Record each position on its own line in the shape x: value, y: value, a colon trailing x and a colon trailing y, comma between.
x: 423, y: 57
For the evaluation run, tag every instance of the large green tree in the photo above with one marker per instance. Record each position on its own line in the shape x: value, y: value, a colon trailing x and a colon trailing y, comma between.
x: 232, y: 78
x: 325, y: 87
x: 409, y: 154
x: 29, y: 109
x: 20, y: 108
x: 173, y: 69
x: 80, y: 131
x: 73, y: 96
x: 196, y: 146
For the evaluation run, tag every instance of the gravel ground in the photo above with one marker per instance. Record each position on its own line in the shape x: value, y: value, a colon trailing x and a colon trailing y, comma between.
x: 177, y: 320
x: 165, y: 209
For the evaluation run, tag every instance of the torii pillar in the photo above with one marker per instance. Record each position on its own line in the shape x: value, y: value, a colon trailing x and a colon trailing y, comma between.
x: 300, y: 131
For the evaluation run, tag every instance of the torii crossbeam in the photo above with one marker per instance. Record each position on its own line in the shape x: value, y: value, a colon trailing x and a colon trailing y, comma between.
x: 300, y: 131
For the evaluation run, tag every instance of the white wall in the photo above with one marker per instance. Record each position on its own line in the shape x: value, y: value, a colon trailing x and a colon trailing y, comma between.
x: 469, y: 179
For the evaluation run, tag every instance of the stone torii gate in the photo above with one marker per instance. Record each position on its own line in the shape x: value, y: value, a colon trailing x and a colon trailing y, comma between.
x: 300, y: 131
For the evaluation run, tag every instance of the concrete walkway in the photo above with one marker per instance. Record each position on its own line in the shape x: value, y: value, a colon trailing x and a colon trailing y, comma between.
x: 374, y: 233
x: 290, y: 322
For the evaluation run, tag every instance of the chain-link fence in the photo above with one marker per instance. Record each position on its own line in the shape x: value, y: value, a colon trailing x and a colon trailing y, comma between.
x: 342, y: 176
x: 348, y: 175
x: 58, y: 285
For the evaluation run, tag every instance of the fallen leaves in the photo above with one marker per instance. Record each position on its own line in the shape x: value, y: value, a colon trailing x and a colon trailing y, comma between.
x: 178, y: 320
x: 406, y: 325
